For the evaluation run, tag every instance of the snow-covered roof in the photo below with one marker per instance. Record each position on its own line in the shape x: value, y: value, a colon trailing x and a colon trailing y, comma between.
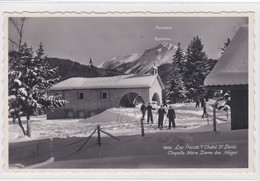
x: 232, y: 67
x: 122, y: 81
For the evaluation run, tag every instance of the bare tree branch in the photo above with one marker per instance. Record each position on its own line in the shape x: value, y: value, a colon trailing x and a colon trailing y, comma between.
x: 13, y: 42
x: 19, y: 28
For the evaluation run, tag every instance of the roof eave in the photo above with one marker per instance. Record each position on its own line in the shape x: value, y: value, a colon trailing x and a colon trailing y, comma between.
x: 82, y: 88
x: 227, y: 87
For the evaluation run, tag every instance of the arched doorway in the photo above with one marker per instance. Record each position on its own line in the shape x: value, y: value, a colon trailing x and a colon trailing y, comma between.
x: 156, y: 98
x: 130, y: 100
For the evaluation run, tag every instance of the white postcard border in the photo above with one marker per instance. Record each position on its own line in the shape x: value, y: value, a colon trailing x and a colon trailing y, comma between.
x: 169, y: 172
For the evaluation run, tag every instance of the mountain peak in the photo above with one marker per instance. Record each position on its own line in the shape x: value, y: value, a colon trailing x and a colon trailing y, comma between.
x: 135, y: 63
x: 168, y: 46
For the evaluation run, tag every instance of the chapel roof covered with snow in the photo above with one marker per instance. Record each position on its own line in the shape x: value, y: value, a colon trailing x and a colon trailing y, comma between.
x: 122, y: 81
x: 232, y: 67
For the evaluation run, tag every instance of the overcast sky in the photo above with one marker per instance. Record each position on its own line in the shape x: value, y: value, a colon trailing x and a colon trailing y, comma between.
x: 102, y: 38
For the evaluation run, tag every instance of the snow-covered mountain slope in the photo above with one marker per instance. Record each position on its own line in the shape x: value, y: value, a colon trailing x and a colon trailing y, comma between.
x: 135, y: 63
x: 117, y: 61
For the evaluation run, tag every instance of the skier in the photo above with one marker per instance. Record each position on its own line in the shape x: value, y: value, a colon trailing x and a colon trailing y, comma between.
x: 171, y: 116
x: 143, y: 110
x: 149, y: 113
x: 202, y: 102
x: 161, y: 113
x: 205, y: 114
x: 164, y: 103
x: 197, y: 103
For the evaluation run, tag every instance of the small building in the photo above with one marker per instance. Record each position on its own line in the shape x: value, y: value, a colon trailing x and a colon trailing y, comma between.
x: 90, y: 96
x: 231, y: 73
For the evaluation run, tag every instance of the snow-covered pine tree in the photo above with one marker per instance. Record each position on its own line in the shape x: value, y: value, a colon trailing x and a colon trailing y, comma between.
x: 30, y: 78
x: 179, y: 58
x: 195, y: 69
x: 176, y: 88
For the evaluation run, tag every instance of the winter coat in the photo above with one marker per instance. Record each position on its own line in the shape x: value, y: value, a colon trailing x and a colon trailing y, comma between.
x: 150, y: 108
x: 202, y: 102
x: 143, y: 108
x: 171, y: 114
x: 161, y: 113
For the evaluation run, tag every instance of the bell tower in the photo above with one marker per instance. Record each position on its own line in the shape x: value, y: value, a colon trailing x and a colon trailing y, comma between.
x: 155, y: 70
x: 90, y: 63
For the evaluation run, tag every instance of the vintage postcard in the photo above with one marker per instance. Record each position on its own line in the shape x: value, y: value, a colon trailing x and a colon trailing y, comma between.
x: 130, y: 92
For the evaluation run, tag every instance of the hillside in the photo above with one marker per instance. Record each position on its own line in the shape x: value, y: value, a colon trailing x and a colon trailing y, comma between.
x: 160, y: 55
x: 163, y: 71
x: 68, y: 68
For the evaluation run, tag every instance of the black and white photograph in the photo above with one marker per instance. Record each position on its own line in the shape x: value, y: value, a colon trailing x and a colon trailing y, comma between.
x: 129, y: 92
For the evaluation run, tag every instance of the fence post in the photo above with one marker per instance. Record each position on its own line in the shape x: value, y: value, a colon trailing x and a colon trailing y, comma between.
x: 227, y: 113
x: 51, y: 147
x: 142, y: 126
x: 99, y: 138
x: 38, y: 148
x: 214, y: 119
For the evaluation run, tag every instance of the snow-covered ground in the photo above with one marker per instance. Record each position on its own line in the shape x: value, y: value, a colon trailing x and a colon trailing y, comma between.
x: 117, y: 121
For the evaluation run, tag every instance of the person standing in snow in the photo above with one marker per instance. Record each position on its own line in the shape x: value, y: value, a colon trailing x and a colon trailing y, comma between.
x: 161, y: 113
x: 202, y: 102
x: 143, y: 110
x: 197, y: 103
x: 205, y: 114
x: 164, y: 103
x: 149, y: 113
x: 171, y: 116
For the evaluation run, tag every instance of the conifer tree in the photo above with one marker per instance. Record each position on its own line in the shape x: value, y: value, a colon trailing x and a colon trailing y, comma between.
x: 176, y: 88
x: 179, y: 58
x: 195, y: 69
x: 30, y: 78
